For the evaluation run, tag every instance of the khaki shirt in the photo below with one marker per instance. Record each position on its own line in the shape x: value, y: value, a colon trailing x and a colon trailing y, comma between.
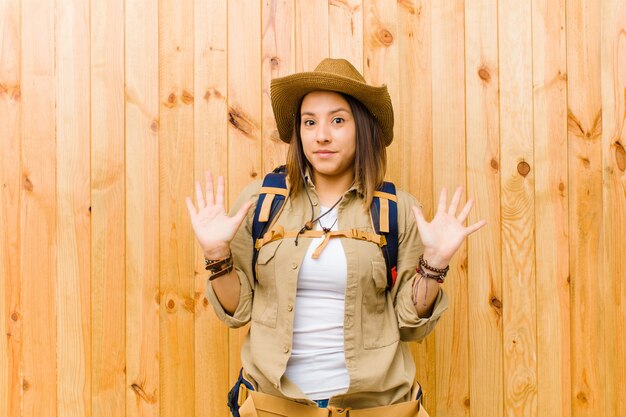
x: 377, y: 322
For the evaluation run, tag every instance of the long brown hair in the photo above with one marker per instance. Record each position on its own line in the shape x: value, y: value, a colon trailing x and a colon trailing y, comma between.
x: 370, y: 162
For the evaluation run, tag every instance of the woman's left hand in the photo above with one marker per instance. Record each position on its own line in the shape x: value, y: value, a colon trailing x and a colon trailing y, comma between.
x: 445, y: 233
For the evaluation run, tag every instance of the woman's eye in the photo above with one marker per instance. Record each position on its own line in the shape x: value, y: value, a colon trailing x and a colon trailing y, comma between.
x: 338, y: 120
x: 309, y: 122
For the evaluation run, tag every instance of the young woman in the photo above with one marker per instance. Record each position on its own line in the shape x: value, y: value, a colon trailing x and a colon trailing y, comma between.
x: 326, y: 330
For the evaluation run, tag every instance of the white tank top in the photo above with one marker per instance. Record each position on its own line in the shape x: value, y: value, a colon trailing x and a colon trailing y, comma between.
x: 317, y: 363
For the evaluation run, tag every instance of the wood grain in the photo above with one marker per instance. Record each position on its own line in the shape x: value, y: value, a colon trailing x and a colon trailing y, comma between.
x: 414, y: 143
x: 38, y: 245
x: 278, y: 60
x: 345, y: 31
x: 10, y: 208
x: 517, y: 208
x: 588, y: 371
x: 176, y: 266
x: 613, y: 73
x: 244, y: 116
x: 142, y: 209
x: 551, y: 207
x: 73, y: 201
x: 311, y: 33
x: 210, y: 153
x: 107, y: 209
x: 483, y: 184
x: 448, y: 107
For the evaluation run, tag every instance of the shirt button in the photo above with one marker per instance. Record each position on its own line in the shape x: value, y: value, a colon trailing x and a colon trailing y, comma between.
x: 289, y: 307
x: 286, y: 349
x: 315, y: 203
x: 294, y: 265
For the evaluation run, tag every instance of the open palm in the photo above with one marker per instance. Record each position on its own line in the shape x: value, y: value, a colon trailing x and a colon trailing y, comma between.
x: 213, y: 227
x: 445, y: 233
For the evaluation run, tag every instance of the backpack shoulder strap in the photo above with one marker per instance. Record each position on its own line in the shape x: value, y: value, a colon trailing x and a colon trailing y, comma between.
x: 384, y: 212
x: 272, y: 196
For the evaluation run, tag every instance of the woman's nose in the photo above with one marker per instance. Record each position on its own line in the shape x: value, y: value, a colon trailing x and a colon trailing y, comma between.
x: 322, y: 133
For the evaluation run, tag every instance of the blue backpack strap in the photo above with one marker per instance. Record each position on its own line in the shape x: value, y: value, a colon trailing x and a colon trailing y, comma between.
x: 272, y: 196
x: 384, y: 211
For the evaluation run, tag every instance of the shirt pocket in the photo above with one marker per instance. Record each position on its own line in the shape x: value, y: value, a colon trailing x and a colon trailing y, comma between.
x: 378, y: 318
x: 265, y: 302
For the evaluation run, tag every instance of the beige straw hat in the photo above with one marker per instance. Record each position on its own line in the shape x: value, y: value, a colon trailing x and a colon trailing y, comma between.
x: 330, y: 75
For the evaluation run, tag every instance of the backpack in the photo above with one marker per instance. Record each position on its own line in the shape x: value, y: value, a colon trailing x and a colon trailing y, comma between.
x: 383, y: 212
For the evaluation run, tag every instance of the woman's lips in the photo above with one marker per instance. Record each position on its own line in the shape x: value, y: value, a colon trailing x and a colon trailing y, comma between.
x: 324, y: 154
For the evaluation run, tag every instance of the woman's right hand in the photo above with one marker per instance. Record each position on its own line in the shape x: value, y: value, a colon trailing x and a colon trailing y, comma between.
x: 213, y: 227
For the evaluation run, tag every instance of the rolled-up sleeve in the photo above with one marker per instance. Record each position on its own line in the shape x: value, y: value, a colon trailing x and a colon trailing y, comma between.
x: 412, y: 327
x: 242, y: 249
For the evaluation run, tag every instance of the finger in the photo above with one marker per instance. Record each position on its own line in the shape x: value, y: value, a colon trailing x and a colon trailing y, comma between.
x: 191, y: 207
x: 241, y: 213
x: 443, y: 198
x: 210, y: 199
x: 219, y: 196
x: 454, y: 204
x: 419, y: 216
x: 474, y: 227
x: 199, y: 196
x: 463, y: 215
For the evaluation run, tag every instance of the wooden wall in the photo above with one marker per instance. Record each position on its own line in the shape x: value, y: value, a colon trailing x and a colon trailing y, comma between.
x: 109, y: 110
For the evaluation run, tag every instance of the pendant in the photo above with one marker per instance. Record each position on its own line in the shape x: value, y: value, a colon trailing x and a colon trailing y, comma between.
x: 308, y: 225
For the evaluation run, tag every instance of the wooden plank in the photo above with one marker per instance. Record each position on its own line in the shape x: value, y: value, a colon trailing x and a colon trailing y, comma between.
x: 483, y: 184
x: 517, y: 208
x: 278, y: 54
x: 142, y: 209
x: 244, y: 115
x: 551, y: 208
x: 210, y: 153
x: 73, y: 214
x: 176, y: 55
x: 10, y: 176
x: 613, y: 72
x: 311, y: 34
x: 585, y: 207
x: 414, y: 118
x: 38, y: 247
x: 345, y: 31
x: 107, y: 209
x: 381, y: 66
x: 448, y: 107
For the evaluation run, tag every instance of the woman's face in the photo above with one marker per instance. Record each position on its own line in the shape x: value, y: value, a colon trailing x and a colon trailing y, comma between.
x: 328, y: 134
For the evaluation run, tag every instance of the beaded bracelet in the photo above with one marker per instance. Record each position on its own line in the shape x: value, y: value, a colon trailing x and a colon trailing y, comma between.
x: 443, y: 271
x: 219, y: 267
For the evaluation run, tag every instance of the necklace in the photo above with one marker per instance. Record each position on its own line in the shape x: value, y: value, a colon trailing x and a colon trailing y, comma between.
x: 309, y: 225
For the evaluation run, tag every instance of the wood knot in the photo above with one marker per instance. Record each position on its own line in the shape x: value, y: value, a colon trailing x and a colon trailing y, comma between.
x: 496, y: 303
x: 154, y: 126
x: 254, y: 174
x: 275, y: 62
x: 385, y: 37
x: 205, y: 302
x: 582, y: 397
x: 28, y: 185
x: 15, y: 316
x: 139, y: 391
x: 171, y: 100
x: 620, y: 156
x: 240, y: 121
x: 170, y: 304
x: 25, y: 385
x: 561, y: 187
x: 187, y: 97
x: 523, y: 168
x: 494, y: 164
x: 466, y: 402
x: 484, y: 74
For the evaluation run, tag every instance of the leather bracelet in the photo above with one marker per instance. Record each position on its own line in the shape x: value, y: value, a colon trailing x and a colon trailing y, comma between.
x: 439, y: 278
x: 219, y: 267
x: 424, y: 264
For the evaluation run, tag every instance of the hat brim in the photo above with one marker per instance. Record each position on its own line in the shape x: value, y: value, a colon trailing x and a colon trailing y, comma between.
x: 286, y: 92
